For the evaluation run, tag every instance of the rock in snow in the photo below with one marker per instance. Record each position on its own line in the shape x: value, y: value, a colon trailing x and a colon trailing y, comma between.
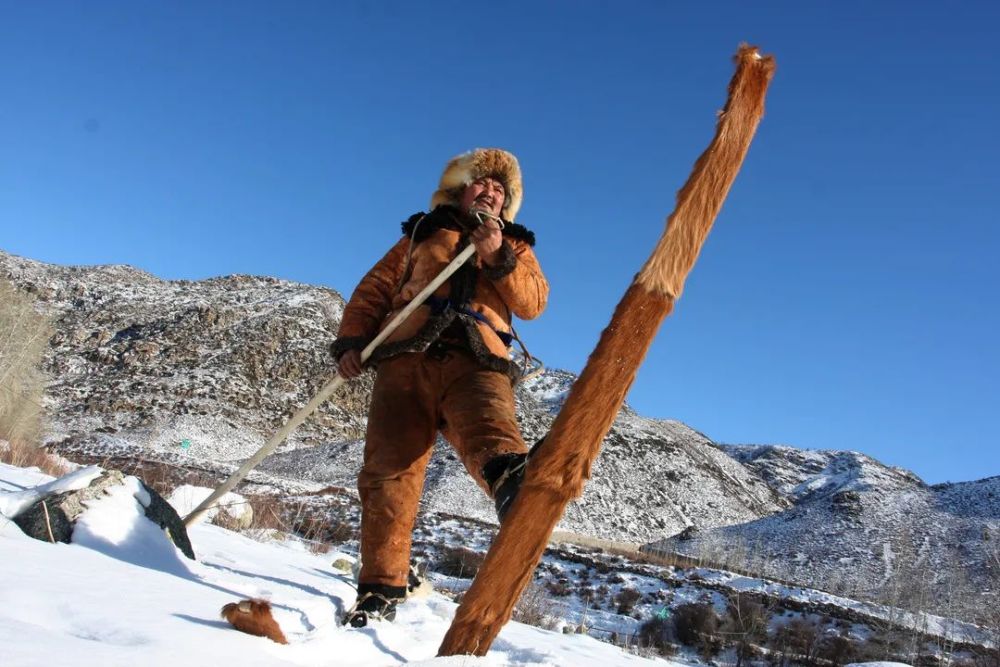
x: 57, y: 509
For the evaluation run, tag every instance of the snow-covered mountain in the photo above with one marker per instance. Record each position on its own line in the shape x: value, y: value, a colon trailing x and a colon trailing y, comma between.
x: 203, y: 372
x: 139, y: 361
x: 858, y: 525
x: 802, y: 474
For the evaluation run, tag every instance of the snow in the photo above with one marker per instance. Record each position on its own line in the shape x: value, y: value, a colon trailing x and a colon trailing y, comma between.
x: 12, y: 504
x: 120, y: 594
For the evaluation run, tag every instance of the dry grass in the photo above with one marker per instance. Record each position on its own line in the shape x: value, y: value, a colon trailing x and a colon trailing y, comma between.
x: 266, y: 512
x: 24, y: 337
x: 459, y: 562
x: 320, y: 548
x: 265, y: 519
x: 159, y: 476
x: 323, y: 529
x: 24, y: 455
x: 273, y: 515
x: 534, y: 607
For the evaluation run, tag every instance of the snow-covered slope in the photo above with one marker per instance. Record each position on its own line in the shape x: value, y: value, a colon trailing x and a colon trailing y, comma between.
x: 123, y: 595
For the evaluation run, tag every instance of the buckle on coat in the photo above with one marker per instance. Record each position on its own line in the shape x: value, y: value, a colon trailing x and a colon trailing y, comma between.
x: 439, y: 351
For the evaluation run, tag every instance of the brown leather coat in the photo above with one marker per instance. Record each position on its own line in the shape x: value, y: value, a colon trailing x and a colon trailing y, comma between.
x: 515, y: 286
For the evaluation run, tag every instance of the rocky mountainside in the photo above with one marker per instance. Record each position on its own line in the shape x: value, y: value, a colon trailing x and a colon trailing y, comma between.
x: 202, y: 369
x: 202, y: 373
x: 857, y: 525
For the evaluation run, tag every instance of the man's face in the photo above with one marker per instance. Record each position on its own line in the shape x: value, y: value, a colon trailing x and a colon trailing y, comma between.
x: 485, y: 193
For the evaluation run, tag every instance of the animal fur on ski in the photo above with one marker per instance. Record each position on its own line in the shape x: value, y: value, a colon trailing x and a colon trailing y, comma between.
x: 561, y: 466
x: 254, y: 618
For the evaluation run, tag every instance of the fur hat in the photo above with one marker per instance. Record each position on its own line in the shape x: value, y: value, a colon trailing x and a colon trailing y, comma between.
x: 467, y: 167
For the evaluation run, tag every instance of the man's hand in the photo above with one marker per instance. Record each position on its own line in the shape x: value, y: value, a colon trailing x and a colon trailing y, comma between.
x: 349, y: 365
x: 487, y: 239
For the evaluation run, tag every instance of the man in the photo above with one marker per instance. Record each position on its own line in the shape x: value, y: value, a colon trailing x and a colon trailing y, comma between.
x: 447, y: 367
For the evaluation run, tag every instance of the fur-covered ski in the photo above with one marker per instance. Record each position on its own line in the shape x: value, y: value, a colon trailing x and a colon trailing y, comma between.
x: 557, y: 472
x: 253, y: 617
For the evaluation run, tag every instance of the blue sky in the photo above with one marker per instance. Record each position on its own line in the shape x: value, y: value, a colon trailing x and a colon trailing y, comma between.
x: 845, y: 300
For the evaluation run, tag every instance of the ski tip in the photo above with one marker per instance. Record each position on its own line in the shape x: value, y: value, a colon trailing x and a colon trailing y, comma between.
x: 253, y: 616
x: 748, y: 53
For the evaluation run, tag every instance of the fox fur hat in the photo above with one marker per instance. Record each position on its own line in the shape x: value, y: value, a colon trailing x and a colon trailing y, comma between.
x: 467, y: 167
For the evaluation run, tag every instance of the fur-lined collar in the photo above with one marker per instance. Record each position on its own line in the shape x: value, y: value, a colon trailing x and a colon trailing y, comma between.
x: 449, y: 217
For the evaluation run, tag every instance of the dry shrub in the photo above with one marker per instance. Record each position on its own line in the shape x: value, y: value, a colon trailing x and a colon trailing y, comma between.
x: 626, y: 600
x: 459, y: 562
x: 322, y: 529
x: 746, y: 616
x: 694, y: 622
x: 659, y: 633
x: 560, y: 588
x: 24, y: 337
x: 533, y: 608
x: 745, y: 624
x: 797, y: 638
x: 160, y: 476
x: 156, y: 477
x: 837, y: 649
x: 986, y: 658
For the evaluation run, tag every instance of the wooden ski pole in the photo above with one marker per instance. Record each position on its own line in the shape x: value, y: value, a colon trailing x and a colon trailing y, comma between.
x: 327, y: 390
x: 560, y: 467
